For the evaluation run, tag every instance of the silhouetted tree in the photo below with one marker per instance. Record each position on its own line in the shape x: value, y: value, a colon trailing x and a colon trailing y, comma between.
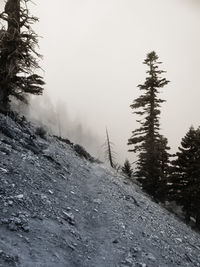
x: 163, y: 154
x: 147, y: 141
x: 185, y: 181
x: 109, y: 151
x: 126, y: 168
x: 18, y: 56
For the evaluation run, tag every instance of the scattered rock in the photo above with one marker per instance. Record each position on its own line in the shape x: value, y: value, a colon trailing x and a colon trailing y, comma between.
x: 12, y: 226
x: 151, y: 257
x: 10, y: 202
x: 69, y: 217
x: 25, y: 228
x: 6, y: 259
x: 3, y: 170
x: 140, y: 264
x: 21, y: 196
x: 97, y: 201
x: 17, y: 222
x: 179, y: 240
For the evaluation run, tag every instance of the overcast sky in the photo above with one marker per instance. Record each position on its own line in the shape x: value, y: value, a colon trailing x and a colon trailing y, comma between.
x: 93, y: 53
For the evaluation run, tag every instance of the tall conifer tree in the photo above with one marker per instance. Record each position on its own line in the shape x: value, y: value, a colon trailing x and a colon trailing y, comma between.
x: 18, y: 56
x: 148, y: 143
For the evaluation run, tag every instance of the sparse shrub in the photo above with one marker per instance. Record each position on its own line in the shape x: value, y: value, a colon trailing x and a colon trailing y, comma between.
x: 64, y: 140
x: 83, y: 153
x: 41, y: 132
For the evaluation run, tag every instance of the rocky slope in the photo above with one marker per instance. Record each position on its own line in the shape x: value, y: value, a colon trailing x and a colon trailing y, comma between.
x: 61, y: 209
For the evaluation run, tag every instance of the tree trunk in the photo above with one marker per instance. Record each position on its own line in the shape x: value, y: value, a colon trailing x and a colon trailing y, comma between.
x: 12, y: 9
x: 109, y: 150
x: 8, y: 61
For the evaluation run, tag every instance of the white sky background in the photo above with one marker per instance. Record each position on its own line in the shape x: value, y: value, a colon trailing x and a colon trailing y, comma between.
x: 93, y: 53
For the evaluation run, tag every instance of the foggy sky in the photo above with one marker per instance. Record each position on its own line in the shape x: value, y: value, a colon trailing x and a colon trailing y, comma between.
x: 93, y: 53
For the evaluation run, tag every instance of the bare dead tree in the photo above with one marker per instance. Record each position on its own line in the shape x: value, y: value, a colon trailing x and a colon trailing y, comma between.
x: 109, y: 153
x: 18, y: 56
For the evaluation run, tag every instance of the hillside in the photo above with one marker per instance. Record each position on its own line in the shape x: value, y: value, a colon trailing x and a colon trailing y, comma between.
x: 61, y: 209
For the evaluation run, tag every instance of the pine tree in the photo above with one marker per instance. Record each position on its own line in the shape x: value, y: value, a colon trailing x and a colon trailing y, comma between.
x: 162, y: 190
x: 185, y: 188
x: 18, y: 56
x: 126, y: 169
x: 148, y: 143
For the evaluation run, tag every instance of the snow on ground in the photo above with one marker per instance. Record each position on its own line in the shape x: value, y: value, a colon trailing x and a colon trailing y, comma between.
x: 60, y: 209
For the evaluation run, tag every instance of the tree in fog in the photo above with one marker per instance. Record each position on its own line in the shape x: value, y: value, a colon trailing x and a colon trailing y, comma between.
x: 185, y: 180
x: 127, y: 169
x: 18, y: 55
x: 109, y: 153
x: 147, y: 141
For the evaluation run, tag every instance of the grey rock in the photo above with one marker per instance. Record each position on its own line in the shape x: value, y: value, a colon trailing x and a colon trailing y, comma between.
x: 12, y: 226
x: 69, y: 217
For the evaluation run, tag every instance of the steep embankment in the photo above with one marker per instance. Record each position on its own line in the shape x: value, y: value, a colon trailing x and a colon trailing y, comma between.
x: 58, y: 209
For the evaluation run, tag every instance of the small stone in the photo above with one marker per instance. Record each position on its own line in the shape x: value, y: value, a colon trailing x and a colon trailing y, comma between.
x: 12, y: 226
x: 129, y: 261
x: 17, y: 221
x: 3, y: 170
x: 43, y: 197
x: 71, y: 247
x: 21, y: 196
x: 136, y: 249
x: 142, y: 264
x: 26, y: 228
x: 179, y: 240
x: 69, y: 217
x: 5, y: 221
x: 151, y: 257
x: 115, y: 241
x: 10, y: 202
x: 97, y: 201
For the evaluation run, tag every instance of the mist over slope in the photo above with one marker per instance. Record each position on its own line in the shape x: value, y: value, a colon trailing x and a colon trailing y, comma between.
x: 57, y: 120
x: 62, y: 208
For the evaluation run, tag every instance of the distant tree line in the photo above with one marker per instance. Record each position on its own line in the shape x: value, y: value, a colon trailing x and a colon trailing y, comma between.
x: 164, y: 179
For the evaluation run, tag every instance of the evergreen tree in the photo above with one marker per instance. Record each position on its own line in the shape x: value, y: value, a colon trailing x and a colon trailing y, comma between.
x: 126, y: 169
x: 148, y: 143
x: 185, y: 188
x: 18, y: 56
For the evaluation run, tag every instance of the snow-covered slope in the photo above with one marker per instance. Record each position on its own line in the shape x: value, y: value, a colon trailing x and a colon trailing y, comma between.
x: 59, y: 209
